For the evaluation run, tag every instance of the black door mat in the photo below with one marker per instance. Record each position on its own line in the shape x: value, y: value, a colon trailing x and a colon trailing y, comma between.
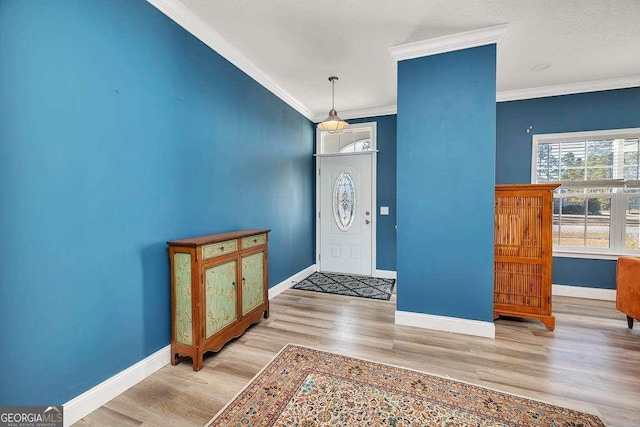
x: 346, y: 284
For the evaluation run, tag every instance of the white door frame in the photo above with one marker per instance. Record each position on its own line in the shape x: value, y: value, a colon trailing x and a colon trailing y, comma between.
x: 374, y: 205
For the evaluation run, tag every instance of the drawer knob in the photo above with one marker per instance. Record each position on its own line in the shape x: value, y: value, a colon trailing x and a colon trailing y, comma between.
x: 255, y: 240
x: 221, y: 248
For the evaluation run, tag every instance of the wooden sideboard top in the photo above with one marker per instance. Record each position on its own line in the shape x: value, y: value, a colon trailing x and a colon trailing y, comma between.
x: 214, y: 238
x: 526, y: 187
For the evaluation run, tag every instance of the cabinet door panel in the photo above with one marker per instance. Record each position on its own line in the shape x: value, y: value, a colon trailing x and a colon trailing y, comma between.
x: 253, y: 281
x: 182, y: 292
x: 518, y: 236
x: 220, y: 296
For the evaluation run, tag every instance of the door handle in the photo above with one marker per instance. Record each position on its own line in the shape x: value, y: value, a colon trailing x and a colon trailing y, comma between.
x: 366, y: 221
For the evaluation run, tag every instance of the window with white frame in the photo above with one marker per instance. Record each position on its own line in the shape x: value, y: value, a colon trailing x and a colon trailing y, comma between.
x: 596, y: 209
x: 357, y: 138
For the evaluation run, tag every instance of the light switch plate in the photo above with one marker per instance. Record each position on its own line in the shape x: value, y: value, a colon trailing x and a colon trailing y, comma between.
x: 384, y: 210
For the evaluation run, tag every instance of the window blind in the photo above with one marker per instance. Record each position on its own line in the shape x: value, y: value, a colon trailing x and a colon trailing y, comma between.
x: 607, y: 163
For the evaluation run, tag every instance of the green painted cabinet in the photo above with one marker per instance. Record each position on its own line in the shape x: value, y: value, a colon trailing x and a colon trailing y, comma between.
x: 220, y: 296
x: 252, y: 281
x: 182, y: 326
x: 219, y: 287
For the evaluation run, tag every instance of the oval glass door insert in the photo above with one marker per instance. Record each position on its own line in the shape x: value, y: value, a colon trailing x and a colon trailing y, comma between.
x: 344, y: 201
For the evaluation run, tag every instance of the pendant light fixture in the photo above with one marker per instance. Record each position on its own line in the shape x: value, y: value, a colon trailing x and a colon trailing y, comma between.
x: 333, y: 123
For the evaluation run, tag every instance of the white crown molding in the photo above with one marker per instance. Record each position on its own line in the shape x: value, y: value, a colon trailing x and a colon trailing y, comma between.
x: 184, y: 17
x: 445, y: 323
x: 386, y: 110
x: 513, y: 95
x: 291, y: 281
x: 84, y: 404
x: 568, y: 89
x: 450, y: 43
x: 583, y: 292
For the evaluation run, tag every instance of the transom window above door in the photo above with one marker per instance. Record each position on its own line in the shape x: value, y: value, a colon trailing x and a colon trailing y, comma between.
x: 355, y: 139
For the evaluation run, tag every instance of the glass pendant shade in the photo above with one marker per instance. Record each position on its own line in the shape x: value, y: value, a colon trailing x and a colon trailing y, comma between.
x: 333, y: 123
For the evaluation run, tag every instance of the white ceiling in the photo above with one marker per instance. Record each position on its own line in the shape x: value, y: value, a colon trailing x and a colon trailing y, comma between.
x: 296, y: 44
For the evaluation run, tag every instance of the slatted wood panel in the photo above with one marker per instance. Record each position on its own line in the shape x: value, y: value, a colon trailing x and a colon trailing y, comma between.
x: 518, y: 237
x: 518, y: 230
x: 522, y: 242
x: 518, y: 284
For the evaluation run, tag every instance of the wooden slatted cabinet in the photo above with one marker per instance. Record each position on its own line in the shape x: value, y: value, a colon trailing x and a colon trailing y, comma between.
x: 523, y: 251
x: 219, y: 287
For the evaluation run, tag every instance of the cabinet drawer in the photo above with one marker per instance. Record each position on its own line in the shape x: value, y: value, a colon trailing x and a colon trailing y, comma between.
x: 220, y: 248
x: 258, y: 239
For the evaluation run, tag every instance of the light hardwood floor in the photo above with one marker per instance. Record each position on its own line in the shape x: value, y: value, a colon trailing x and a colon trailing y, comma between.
x: 591, y: 362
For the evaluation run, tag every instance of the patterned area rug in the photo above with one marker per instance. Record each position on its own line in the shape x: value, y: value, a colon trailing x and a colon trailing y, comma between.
x: 345, y: 284
x: 311, y: 388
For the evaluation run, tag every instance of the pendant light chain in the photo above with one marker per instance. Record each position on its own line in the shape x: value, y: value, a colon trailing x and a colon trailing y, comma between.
x: 333, y: 94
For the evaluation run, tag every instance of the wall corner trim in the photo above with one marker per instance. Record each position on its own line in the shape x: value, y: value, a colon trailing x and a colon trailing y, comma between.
x: 385, y: 274
x: 450, y: 43
x: 447, y: 324
x: 188, y: 20
x: 291, y: 281
x: 583, y: 292
x: 90, y: 400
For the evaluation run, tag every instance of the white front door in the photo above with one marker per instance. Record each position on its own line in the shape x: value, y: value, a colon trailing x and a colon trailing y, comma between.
x: 346, y: 213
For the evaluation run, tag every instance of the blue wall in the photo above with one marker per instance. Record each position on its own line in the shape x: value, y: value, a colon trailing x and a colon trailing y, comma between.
x: 385, y: 190
x: 614, y: 109
x: 445, y: 196
x: 120, y: 131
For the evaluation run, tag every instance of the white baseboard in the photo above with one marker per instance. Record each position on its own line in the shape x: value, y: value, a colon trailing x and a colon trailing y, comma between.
x: 89, y: 401
x: 289, y: 282
x: 447, y: 324
x: 583, y: 292
x: 385, y: 274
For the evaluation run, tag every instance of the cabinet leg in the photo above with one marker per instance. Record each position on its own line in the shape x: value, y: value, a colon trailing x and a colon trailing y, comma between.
x: 266, y: 313
x: 549, y: 322
x: 174, y: 356
x: 630, y: 322
x: 197, y: 362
